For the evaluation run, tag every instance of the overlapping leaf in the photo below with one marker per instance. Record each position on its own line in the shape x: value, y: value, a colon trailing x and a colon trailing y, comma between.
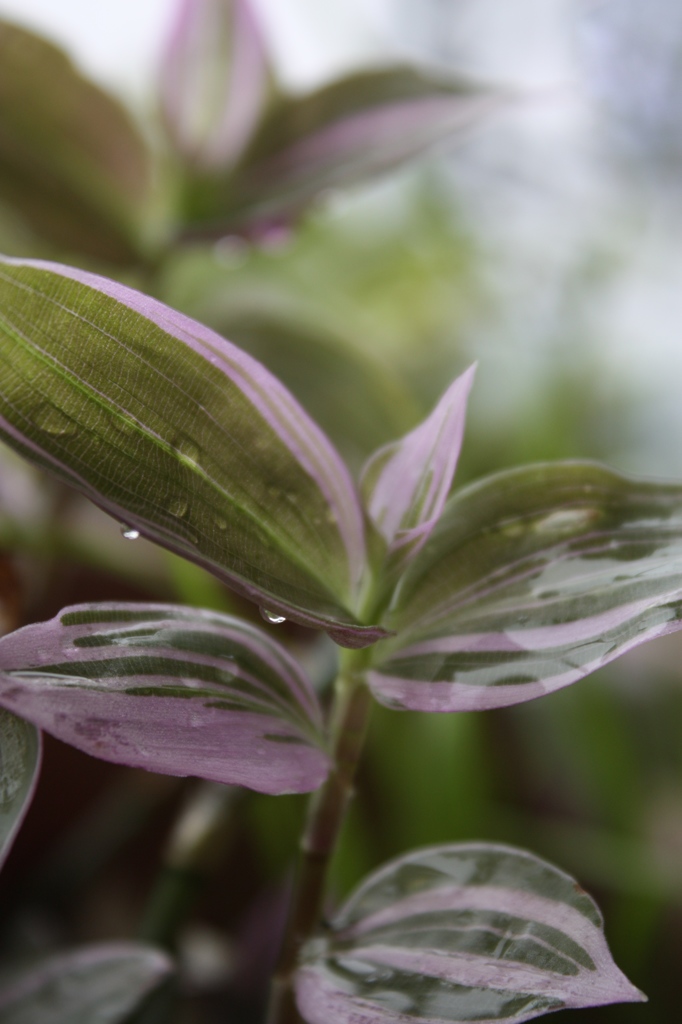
x: 214, y: 80
x: 99, y: 984
x: 178, y: 433
x: 171, y: 689
x: 345, y: 133
x: 20, y: 750
x: 467, y: 932
x: 532, y: 579
x: 71, y: 160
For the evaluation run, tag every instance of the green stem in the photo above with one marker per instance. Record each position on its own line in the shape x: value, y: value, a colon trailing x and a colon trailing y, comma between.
x: 326, y: 815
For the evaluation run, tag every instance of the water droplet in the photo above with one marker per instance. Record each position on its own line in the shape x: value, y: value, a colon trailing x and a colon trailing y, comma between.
x: 188, y: 451
x: 274, y: 617
x: 129, y: 532
x: 53, y: 421
x: 178, y: 507
x: 566, y: 520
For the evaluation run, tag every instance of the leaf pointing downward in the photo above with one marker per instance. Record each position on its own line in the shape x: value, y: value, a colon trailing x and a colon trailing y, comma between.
x: 470, y: 932
x: 171, y: 689
x: 173, y: 430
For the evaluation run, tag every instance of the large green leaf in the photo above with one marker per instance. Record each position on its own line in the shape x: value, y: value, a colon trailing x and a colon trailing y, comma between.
x: 71, y: 160
x: 99, y: 984
x: 182, y: 436
x: 460, y: 933
x: 532, y: 579
x: 20, y: 750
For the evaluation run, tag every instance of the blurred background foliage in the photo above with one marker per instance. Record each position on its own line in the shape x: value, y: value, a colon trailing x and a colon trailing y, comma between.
x: 544, y: 246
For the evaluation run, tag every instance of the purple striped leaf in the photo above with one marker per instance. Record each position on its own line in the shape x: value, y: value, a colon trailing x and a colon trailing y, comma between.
x: 183, y: 437
x: 214, y: 81
x: 405, y: 484
x: 466, y: 932
x: 20, y: 752
x: 98, y: 984
x: 532, y: 579
x: 347, y: 132
x: 72, y: 162
x: 171, y: 689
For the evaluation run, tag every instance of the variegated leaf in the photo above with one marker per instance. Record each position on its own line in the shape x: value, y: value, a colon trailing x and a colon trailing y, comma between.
x: 347, y: 132
x: 467, y: 932
x: 99, y: 984
x: 406, y: 483
x: 71, y: 160
x: 182, y: 436
x: 20, y: 750
x: 171, y: 689
x: 532, y: 579
x: 214, y: 80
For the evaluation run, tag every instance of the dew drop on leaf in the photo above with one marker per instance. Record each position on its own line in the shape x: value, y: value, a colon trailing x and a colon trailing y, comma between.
x: 53, y: 421
x: 274, y: 617
x: 129, y: 532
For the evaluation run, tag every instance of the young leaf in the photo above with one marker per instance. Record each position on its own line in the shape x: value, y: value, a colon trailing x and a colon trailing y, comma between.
x: 347, y: 132
x: 179, y: 434
x: 20, y: 750
x: 171, y: 689
x: 531, y: 580
x: 99, y: 984
x: 214, y: 80
x: 71, y: 160
x: 406, y: 483
x: 470, y: 932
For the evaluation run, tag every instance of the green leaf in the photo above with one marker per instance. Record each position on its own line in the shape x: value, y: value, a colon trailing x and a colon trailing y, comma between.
x: 459, y: 933
x: 347, y: 132
x: 532, y: 579
x: 323, y: 369
x: 183, y: 437
x: 71, y: 160
x: 99, y: 984
x: 20, y: 750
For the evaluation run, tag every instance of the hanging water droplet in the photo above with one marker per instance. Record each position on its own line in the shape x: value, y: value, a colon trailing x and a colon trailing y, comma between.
x: 274, y: 617
x: 129, y: 532
x: 53, y: 421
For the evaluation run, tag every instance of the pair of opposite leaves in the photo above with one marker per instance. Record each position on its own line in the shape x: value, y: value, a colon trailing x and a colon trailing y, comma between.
x: 514, y: 587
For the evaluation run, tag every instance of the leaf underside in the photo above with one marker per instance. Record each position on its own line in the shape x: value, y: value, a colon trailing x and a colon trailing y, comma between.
x: 170, y: 689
